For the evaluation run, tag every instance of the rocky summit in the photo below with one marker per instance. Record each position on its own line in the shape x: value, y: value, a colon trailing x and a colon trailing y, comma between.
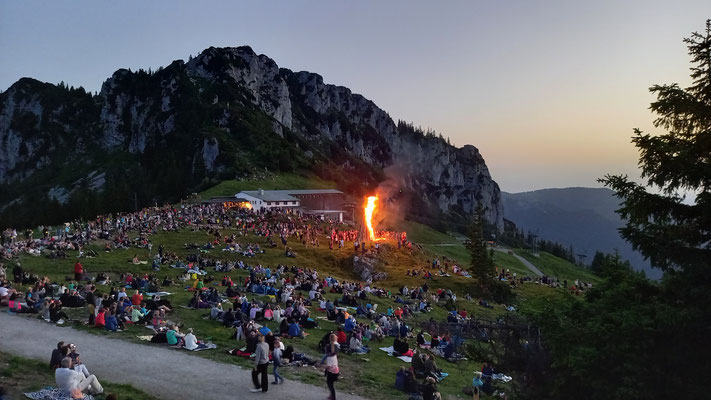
x: 155, y: 136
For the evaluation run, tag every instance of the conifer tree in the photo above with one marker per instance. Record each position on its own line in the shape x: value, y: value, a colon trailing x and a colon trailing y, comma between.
x: 482, y: 262
x: 674, y: 235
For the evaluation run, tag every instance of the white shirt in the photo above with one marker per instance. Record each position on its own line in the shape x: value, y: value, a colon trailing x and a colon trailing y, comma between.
x: 190, y: 342
x: 3, y: 291
x: 67, y: 379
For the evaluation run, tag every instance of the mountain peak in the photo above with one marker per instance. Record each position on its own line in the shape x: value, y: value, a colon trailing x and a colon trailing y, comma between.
x: 229, y: 112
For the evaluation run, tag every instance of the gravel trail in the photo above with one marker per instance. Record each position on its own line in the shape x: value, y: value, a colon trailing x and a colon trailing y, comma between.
x: 523, y: 260
x: 162, y: 372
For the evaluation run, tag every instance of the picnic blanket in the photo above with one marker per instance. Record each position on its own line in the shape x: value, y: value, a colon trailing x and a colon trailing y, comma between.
x: 50, y: 393
x: 240, y: 352
x: 196, y: 271
x: 502, y: 377
x: 138, y: 263
x: 158, y: 293
x: 205, y: 346
x: 407, y: 357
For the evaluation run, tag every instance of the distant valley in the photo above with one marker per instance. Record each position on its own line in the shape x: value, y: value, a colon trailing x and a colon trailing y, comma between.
x: 582, y: 217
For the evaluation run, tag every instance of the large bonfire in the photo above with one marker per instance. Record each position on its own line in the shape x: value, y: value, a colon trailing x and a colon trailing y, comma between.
x: 369, y: 210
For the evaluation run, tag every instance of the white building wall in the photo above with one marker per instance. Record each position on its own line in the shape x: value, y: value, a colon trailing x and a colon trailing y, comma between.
x: 258, y: 204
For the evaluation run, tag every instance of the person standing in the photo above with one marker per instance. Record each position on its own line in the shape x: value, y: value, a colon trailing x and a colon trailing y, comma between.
x: 91, y: 303
x: 331, y: 363
x: 276, y: 357
x: 261, y: 363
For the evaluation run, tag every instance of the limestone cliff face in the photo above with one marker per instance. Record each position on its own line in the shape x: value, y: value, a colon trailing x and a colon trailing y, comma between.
x: 227, y: 111
x: 444, y: 174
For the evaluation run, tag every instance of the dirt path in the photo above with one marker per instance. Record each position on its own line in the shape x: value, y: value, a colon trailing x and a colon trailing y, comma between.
x: 161, y: 372
x: 523, y: 260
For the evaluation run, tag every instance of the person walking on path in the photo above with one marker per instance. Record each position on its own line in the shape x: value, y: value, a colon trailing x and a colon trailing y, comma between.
x: 331, y: 362
x: 261, y: 363
x: 276, y: 358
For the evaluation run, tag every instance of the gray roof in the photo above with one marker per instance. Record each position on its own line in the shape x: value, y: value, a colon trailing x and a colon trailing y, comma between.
x: 269, y: 195
x: 286, y: 195
x: 309, y: 191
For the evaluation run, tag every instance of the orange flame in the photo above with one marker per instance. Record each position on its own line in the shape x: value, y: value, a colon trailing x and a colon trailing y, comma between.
x: 369, y: 209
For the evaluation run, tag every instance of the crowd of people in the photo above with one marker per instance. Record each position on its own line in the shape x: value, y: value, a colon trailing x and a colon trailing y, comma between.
x: 292, y: 293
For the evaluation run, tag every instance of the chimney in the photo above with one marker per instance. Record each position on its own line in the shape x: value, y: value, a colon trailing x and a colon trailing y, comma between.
x: 261, y: 192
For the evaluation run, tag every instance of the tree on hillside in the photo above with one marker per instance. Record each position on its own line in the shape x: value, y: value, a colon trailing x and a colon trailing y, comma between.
x: 482, y: 262
x: 598, y: 260
x: 632, y: 338
x: 616, y: 343
x: 676, y: 237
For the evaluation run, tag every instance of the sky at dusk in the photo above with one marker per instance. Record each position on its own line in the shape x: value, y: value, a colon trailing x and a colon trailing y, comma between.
x: 549, y: 91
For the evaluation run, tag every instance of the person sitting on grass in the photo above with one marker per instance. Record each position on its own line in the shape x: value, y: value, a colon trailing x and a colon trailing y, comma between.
x: 295, y: 330
x: 431, y: 368
x: 400, y: 346
x: 56, y: 359
x: 174, y: 337
x: 284, y: 327
x: 401, y: 376
x: 55, y: 311
x: 70, y: 380
x: 136, y: 314
x: 349, y: 324
x: 111, y: 322
x: 137, y: 298
x: 341, y: 336
x: 190, y: 340
x: 357, y: 347
x: 77, y: 364
x: 429, y: 389
x: 216, y: 312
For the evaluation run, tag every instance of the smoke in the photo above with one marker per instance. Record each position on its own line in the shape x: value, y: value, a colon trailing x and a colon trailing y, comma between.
x: 393, y: 199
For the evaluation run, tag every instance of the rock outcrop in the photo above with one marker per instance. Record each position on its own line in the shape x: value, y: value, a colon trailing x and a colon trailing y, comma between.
x: 225, y: 112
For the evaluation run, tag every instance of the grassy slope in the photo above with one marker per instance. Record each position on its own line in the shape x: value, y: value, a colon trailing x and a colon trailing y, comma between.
x: 19, y: 375
x: 363, y: 379
x: 285, y: 181
x: 443, y: 244
x: 358, y: 373
x: 558, y: 267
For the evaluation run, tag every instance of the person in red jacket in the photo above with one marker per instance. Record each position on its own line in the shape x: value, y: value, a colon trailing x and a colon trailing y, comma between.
x: 137, y: 298
x: 341, y: 336
x: 78, y: 271
x: 100, y: 320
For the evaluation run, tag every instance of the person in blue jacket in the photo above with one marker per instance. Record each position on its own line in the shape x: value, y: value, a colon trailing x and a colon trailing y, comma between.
x: 111, y: 323
x: 349, y: 324
x: 294, y: 329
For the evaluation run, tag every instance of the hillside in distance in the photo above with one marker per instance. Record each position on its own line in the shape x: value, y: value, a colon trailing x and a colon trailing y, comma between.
x: 156, y: 136
x: 582, y: 217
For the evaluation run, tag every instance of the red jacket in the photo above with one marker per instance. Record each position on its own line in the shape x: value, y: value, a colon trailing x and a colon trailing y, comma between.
x: 341, y: 337
x: 100, y: 319
x: 78, y: 268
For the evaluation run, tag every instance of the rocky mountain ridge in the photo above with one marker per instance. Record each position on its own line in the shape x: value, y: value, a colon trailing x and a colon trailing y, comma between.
x: 156, y: 136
